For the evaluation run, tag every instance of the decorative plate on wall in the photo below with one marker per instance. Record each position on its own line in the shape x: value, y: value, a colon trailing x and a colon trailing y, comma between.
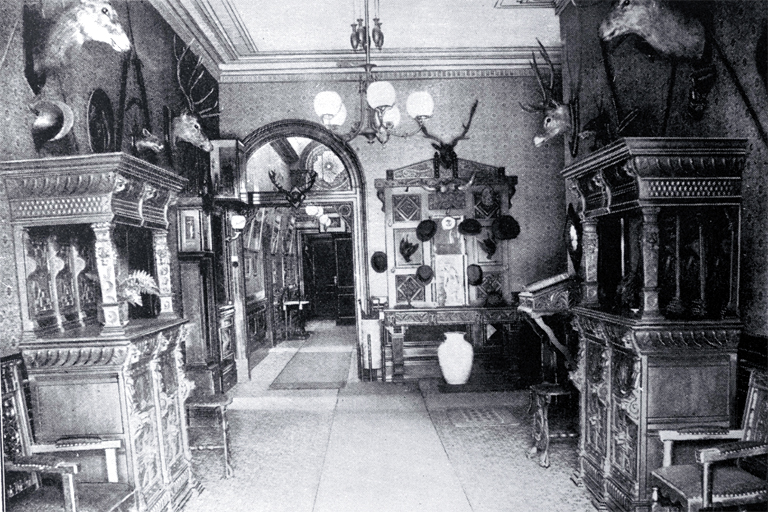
x: 101, y: 122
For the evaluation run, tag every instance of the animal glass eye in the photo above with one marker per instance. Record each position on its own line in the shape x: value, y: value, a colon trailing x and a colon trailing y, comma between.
x: 104, y: 10
x: 625, y: 3
x: 547, y: 120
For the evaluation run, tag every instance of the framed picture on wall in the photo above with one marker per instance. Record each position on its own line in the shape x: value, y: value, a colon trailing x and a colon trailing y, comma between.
x: 409, y: 248
x: 447, y: 239
x: 449, y: 279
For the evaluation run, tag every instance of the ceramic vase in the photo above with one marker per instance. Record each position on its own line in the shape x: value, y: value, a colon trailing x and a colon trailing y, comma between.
x: 455, y: 356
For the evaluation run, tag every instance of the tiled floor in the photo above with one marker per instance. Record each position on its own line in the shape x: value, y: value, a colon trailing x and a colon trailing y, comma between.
x: 383, y: 447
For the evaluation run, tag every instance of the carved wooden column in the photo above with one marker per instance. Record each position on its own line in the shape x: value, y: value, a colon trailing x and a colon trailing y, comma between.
x: 163, y: 270
x: 105, y: 263
x: 650, y: 243
x: 589, y: 263
x: 20, y: 237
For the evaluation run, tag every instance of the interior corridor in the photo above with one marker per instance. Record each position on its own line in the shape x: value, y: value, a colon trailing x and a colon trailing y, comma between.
x: 378, y: 446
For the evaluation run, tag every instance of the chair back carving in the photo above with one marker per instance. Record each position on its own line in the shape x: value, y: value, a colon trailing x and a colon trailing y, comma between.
x: 17, y: 434
x: 755, y: 422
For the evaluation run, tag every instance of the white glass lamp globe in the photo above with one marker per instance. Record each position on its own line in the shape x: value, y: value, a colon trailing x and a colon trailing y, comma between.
x: 311, y: 210
x: 380, y: 95
x: 420, y: 105
x: 391, y: 117
x: 327, y: 104
x: 340, y: 117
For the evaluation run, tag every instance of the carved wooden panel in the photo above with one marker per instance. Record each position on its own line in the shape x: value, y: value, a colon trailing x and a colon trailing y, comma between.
x: 409, y: 289
x: 406, y: 207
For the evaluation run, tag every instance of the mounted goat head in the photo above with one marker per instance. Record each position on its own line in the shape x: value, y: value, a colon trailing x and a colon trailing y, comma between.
x: 558, y: 117
x: 86, y: 20
x: 296, y: 195
x: 666, y: 29
x: 446, y: 155
x: 186, y: 126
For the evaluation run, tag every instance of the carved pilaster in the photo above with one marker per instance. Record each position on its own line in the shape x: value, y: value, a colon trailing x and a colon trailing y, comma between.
x: 650, y: 243
x: 20, y: 238
x: 589, y: 263
x: 163, y: 267
x: 105, y: 264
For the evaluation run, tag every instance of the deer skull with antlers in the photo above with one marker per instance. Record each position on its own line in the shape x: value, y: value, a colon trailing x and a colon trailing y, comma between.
x: 296, y: 195
x: 186, y: 126
x: 446, y: 155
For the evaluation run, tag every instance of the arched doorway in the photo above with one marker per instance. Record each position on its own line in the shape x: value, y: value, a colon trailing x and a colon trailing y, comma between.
x: 289, y: 149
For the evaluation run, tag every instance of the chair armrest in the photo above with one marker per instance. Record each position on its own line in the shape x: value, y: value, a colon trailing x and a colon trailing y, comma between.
x: 78, y: 444
x: 701, y: 433
x: 729, y: 451
x: 697, y: 433
x: 42, y: 464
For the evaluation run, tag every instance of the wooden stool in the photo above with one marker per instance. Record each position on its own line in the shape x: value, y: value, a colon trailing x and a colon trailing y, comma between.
x: 541, y: 397
x: 217, y: 402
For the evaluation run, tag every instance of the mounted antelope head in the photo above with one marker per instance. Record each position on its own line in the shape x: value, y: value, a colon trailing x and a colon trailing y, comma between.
x: 665, y: 28
x: 558, y: 117
x: 186, y: 126
x: 296, y: 195
x: 86, y: 20
x: 446, y: 155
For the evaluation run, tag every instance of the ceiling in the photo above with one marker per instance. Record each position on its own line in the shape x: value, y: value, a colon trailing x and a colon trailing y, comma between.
x: 247, y: 39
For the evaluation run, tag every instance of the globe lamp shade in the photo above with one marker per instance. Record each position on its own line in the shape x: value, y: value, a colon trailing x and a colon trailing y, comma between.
x: 420, y: 105
x: 391, y: 117
x: 380, y: 95
x: 340, y: 117
x: 327, y: 104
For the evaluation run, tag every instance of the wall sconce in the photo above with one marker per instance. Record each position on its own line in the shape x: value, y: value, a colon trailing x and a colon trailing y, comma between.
x: 237, y: 222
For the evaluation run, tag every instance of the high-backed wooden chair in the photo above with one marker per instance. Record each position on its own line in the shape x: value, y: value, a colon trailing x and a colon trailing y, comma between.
x: 26, y: 462
x: 715, y: 480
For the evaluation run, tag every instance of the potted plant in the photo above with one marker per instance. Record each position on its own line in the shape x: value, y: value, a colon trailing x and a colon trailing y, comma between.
x: 131, y: 287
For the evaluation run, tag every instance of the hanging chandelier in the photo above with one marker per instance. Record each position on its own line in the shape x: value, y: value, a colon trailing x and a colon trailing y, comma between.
x: 379, y: 116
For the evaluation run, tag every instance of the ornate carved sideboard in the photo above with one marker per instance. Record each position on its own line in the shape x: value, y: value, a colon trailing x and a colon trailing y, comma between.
x: 474, y: 319
x: 80, y: 224
x: 658, y: 320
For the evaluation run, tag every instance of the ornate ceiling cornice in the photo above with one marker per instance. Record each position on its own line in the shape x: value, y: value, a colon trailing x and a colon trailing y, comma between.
x: 216, y: 32
x: 416, y: 63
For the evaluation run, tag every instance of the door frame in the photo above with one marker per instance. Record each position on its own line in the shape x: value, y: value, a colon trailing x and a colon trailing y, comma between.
x: 350, y: 204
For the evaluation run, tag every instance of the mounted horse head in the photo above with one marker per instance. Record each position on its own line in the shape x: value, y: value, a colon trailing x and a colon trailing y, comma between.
x: 559, y: 117
x: 86, y: 20
x: 666, y: 29
x: 186, y: 126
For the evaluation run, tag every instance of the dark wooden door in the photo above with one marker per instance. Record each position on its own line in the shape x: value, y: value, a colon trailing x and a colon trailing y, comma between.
x: 330, y: 277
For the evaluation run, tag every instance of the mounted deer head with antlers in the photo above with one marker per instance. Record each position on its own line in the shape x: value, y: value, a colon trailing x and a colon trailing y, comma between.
x: 296, y: 195
x: 186, y: 126
x: 559, y: 117
x: 84, y: 20
x: 446, y: 155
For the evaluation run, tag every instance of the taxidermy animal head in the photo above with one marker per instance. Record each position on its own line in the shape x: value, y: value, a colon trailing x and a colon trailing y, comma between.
x: 296, y: 195
x: 148, y: 142
x: 446, y: 155
x: 186, y: 126
x: 82, y: 21
x: 86, y: 20
x: 407, y: 248
x: 669, y: 31
x: 559, y: 117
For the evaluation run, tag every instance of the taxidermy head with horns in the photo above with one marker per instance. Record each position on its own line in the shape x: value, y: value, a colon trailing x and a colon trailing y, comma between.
x: 82, y: 21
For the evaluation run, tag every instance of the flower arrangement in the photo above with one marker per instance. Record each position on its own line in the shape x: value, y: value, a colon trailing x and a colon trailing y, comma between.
x: 130, y: 287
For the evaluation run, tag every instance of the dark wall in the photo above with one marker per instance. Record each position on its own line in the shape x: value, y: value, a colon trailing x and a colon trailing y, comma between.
x: 642, y: 83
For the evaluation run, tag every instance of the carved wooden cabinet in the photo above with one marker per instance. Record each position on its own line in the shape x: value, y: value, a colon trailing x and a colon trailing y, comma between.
x: 79, y: 224
x: 658, y: 321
